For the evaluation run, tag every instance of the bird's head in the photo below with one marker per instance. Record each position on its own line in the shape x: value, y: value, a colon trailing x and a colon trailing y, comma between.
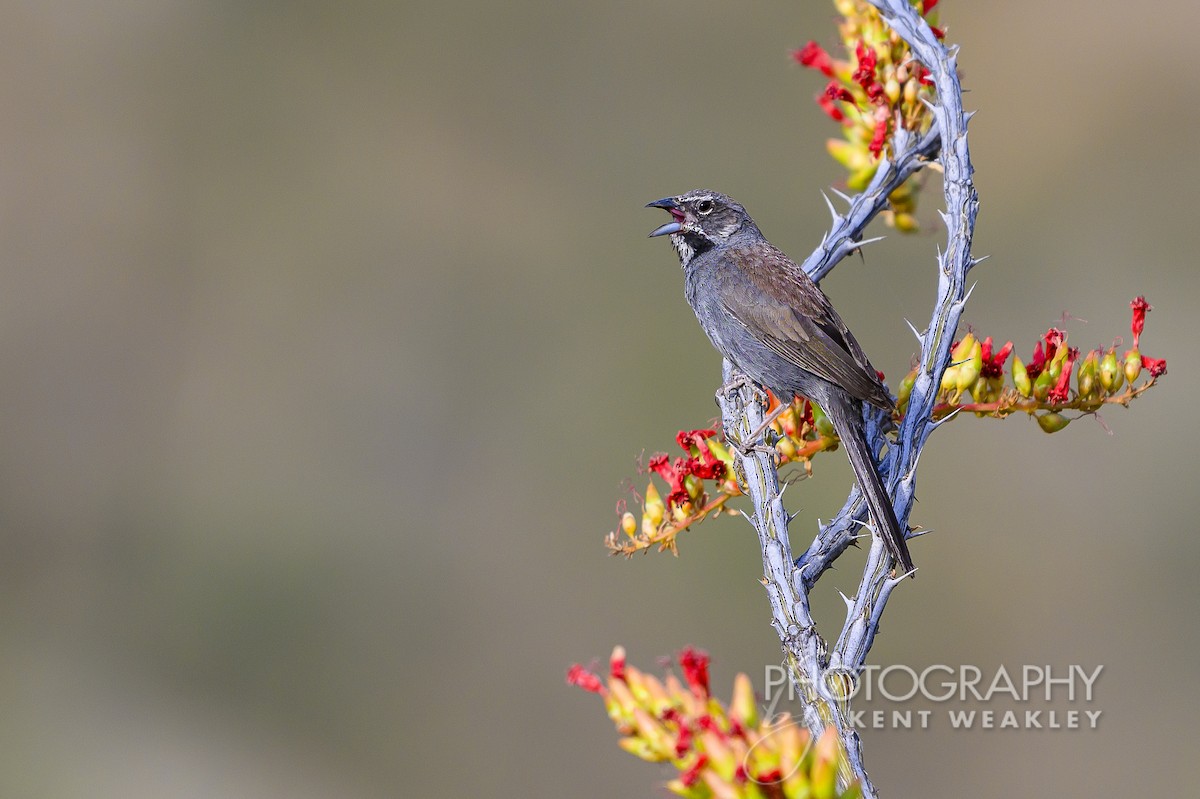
x: 701, y: 219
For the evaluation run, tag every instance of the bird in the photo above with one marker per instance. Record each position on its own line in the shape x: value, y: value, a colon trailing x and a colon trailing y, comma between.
x: 767, y: 316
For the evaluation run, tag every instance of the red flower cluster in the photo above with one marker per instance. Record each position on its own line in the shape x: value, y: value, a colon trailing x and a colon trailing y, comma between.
x: 718, y: 749
x: 700, y: 462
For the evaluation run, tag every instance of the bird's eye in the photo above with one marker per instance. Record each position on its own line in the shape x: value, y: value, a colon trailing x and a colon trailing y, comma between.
x: 704, y: 207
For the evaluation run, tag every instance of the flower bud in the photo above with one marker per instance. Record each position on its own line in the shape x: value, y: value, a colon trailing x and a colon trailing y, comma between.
x: 720, y: 452
x: 962, y: 350
x: 821, y: 422
x: 1111, y: 375
x: 968, y: 371
x: 694, y: 486
x: 905, y: 389
x: 892, y: 89
x: 1020, y: 378
x: 654, y: 508
x: 786, y: 446
x: 905, y: 222
x: 1133, y: 365
x: 949, y: 379
x: 1041, y: 387
x: 1085, y: 376
x: 629, y: 524
x: 1052, y: 422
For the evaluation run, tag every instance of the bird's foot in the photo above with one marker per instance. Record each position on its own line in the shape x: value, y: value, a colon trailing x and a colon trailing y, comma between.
x: 740, y: 381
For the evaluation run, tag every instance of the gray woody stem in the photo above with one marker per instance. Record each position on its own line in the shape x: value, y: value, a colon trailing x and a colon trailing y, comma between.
x: 824, y: 678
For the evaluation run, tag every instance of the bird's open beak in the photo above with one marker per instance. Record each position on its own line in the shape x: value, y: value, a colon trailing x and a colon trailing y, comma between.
x: 676, y: 223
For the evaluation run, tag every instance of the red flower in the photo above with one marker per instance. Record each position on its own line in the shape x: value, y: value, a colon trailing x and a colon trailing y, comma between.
x: 1155, y: 366
x: 1139, y: 307
x: 578, y: 676
x: 1037, y: 363
x: 938, y: 32
x: 1059, y: 393
x: 813, y: 56
x: 829, y: 107
x: 694, y: 663
x: 928, y: 6
x: 993, y: 365
x: 864, y: 74
x: 673, y: 473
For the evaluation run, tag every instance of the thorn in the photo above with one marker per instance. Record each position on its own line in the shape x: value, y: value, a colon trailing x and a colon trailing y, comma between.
x: 969, y: 115
x: 967, y: 296
x: 746, y: 516
x: 920, y: 338
x: 849, y: 602
x: 919, y: 532
x: 832, y: 211
x: 858, y: 245
x: 929, y: 103
x: 945, y: 217
x: 945, y: 418
x: 976, y: 261
x: 849, y: 200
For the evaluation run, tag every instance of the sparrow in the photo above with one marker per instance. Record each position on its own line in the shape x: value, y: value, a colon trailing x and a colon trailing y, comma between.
x: 766, y: 315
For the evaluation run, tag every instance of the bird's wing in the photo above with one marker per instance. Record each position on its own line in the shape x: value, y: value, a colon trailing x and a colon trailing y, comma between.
x: 785, y: 310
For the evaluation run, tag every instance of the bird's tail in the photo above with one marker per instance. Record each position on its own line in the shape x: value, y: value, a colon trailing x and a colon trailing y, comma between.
x: 846, y: 416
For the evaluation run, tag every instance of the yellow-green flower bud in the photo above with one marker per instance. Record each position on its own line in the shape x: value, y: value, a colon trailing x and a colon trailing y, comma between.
x: 962, y: 351
x: 629, y: 524
x: 905, y: 222
x: 1111, y: 375
x: 1133, y: 365
x: 892, y: 89
x: 1085, y: 376
x: 949, y: 379
x: 786, y: 447
x: 905, y: 389
x: 654, y: 508
x: 1041, y: 387
x: 1052, y: 422
x: 821, y: 422
x: 968, y: 371
x: 1020, y: 378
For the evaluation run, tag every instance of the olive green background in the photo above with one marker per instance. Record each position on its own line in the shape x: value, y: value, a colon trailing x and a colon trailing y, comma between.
x: 330, y: 334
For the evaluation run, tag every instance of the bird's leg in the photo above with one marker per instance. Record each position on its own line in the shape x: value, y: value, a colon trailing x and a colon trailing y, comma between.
x: 754, y: 442
x: 760, y: 433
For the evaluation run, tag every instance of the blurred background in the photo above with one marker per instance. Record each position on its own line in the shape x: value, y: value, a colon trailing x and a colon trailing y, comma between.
x: 330, y: 336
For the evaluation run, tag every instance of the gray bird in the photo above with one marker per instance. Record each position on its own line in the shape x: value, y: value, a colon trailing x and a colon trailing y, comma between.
x: 763, y: 313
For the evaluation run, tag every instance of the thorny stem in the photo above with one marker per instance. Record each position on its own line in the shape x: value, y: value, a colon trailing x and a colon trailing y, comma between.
x: 788, y: 584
